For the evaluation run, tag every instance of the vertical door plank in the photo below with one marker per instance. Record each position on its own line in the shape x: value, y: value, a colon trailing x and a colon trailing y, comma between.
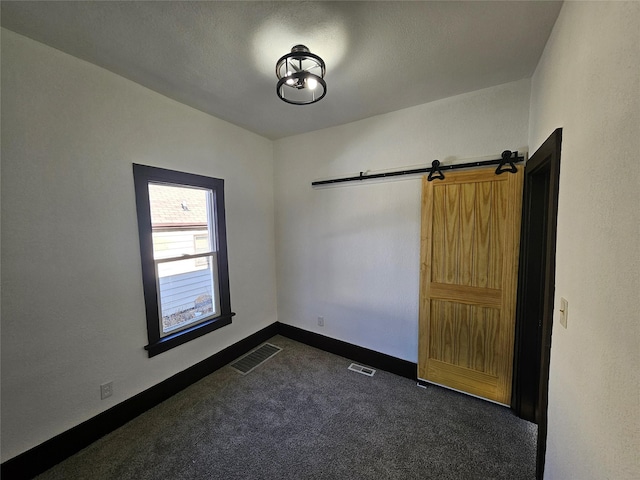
x: 512, y: 205
x: 452, y: 233
x: 467, y: 228
x: 442, y: 331
x: 465, y: 271
x: 450, y: 315
x: 481, y: 237
x: 492, y: 341
x: 435, y: 337
x: 499, y: 209
x: 478, y: 338
x: 426, y: 266
x: 438, y: 251
x: 463, y: 336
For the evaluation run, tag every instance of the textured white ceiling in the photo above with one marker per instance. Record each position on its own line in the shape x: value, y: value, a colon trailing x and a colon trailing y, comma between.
x: 219, y: 57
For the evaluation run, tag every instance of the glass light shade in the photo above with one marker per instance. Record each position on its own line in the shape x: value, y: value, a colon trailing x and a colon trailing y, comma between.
x: 300, y: 74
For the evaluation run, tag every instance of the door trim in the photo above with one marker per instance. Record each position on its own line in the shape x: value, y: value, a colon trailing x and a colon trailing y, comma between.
x: 547, y: 157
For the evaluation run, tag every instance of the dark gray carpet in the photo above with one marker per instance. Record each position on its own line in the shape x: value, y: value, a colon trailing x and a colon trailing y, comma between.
x: 303, y: 415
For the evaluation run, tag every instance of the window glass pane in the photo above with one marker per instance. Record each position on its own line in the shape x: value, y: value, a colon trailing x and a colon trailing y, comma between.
x: 181, y: 224
x: 187, y: 294
x: 201, y: 243
x: 179, y: 215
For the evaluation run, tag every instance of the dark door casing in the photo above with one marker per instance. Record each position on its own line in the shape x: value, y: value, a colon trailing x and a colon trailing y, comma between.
x: 536, y: 288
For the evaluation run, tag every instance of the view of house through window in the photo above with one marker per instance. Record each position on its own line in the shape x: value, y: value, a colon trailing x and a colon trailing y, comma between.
x: 183, y: 232
x: 183, y: 254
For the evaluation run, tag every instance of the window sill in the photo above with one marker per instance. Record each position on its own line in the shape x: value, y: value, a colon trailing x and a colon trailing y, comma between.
x: 188, y: 334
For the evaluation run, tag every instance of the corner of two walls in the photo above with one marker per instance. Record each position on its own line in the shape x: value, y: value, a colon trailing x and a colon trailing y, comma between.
x: 350, y: 253
x: 588, y: 83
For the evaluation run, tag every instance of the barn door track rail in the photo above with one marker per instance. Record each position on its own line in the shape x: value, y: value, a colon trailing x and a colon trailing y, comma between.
x: 504, y: 164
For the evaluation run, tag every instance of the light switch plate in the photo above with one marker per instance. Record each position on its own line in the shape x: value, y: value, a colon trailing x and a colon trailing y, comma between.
x: 564, y: 310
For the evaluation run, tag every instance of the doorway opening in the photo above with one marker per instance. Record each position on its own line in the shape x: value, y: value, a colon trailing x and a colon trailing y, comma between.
x: 536, y: 288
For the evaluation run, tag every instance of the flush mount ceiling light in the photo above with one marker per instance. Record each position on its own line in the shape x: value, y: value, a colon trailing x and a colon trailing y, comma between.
x: 300, y: 77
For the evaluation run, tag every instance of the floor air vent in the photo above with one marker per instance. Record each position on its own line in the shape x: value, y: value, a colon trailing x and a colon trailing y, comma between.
x: 255, y: 358
x: 363, y: 370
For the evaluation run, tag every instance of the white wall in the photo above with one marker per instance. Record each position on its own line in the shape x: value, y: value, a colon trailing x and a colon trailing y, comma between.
x: 351, y: 253
x: 588, y: 82
x: 72, y: 302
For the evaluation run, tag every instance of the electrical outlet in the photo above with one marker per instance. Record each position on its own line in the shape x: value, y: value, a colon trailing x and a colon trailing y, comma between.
x: 321, y: 321
x: 106, y: 390
x: 564, y: 310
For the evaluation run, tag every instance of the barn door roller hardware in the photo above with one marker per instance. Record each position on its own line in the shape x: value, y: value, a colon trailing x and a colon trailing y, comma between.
x: 504, y: 164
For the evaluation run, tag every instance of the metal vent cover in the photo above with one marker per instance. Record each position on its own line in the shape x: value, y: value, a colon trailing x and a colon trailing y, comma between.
x: 251, y: 360
x: 361, y: 369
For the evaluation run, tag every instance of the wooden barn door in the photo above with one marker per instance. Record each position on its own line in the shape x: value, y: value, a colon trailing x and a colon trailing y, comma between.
x: 468, y: 279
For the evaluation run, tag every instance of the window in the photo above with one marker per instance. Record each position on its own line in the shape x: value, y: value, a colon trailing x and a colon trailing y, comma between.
x: 184, y: 255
